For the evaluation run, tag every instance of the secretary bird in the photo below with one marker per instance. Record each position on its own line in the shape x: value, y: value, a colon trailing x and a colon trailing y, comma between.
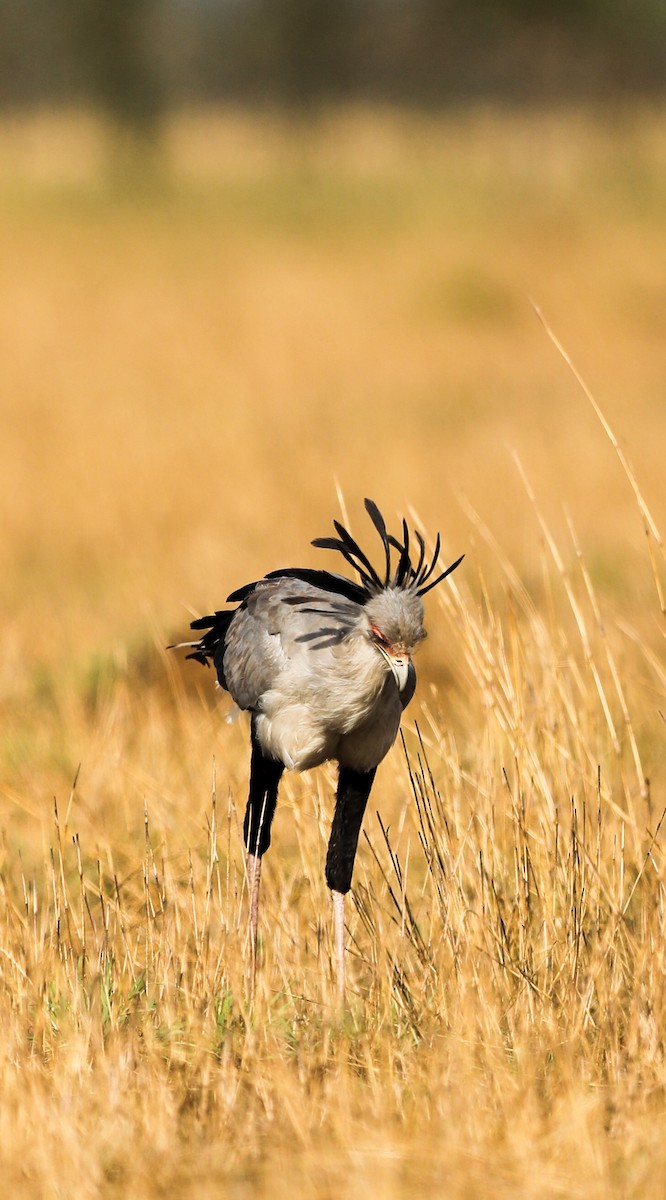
x: 324, y: 665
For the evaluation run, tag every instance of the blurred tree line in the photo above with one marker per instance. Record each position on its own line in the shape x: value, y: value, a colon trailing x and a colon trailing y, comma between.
x: 135, y: 59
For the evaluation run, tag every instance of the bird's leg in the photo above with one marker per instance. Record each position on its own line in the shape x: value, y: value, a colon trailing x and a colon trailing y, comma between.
x: 265, y: 776
x: 352, y: 797
x: 339, y: 927
x: 254, y: 873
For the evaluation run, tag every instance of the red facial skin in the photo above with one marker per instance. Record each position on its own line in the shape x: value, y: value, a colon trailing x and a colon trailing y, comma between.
x: 383, y: 641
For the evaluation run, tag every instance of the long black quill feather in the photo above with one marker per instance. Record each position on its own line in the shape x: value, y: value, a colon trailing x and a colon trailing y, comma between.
x: 380, y: 525
x: 422, y: 591
x: 355, y: 549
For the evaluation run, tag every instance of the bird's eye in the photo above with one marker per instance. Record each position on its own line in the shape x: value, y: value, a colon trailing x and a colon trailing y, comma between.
x: 378, y: 635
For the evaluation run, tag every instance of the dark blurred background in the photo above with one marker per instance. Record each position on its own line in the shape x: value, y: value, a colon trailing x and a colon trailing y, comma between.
x: 137, y: 59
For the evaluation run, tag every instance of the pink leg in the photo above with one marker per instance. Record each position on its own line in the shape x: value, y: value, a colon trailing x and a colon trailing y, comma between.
x: 254, y: 876
x: 339, y: 925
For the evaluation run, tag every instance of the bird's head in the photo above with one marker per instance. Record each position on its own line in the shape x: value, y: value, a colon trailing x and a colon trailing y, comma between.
x: 395, y: 626
x: 392, y: 605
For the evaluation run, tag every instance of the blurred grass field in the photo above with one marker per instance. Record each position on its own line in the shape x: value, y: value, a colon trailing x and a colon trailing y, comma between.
x: 198, y: 351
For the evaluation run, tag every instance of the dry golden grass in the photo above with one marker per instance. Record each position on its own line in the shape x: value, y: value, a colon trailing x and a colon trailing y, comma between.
x: 192, y: 355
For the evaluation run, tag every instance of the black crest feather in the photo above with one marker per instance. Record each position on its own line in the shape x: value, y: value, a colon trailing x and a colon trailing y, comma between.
x: 405, y: 574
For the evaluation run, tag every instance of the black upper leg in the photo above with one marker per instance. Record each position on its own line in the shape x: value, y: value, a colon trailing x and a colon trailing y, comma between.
x: 265, y: 776
x: 353, y: 791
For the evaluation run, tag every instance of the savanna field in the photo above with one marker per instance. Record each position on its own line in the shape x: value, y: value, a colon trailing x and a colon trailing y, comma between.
x: 209, y: 351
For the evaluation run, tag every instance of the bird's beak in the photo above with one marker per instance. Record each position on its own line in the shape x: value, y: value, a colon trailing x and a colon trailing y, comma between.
x: 399, y: 665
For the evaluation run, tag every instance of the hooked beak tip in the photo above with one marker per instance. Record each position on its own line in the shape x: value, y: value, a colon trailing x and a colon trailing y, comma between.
x: 400, y: 665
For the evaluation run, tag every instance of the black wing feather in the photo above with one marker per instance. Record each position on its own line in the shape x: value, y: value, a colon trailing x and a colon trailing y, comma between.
x: 242, y: 593
x: 328, y: 581
x: 212, y: 644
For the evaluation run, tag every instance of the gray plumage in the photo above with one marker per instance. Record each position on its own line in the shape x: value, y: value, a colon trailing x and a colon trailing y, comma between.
x: 309, y: 666
x: 324, y: 664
